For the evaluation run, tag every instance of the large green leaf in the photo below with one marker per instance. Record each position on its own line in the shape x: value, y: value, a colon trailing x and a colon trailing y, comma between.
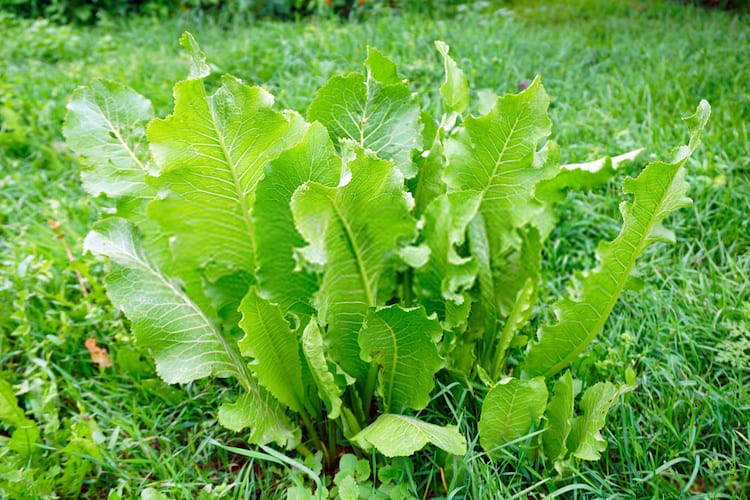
x: 495, y: 155
x: 274, y: 349
x: 105, y: 125
x: 314, y: 159
x: 353, y: 231
x: 582, y: 176
x: 402, y: 343
x: 447, y: 276
x: 10, y: 413
x: 373, y: 111
x: 402, y: 436
x: 185, y: 344
x: 212, y: 152
x: 658, y: 191
x: 585, y: 440
x: 510, y: 410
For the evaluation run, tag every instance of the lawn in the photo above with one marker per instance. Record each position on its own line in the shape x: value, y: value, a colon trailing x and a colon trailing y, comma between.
x: 621, y: 75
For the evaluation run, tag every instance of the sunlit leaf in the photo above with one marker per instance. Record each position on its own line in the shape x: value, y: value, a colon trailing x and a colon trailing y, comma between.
x: 401, y: 436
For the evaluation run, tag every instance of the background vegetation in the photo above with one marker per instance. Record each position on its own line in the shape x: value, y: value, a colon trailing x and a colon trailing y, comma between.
x: 621, y: 75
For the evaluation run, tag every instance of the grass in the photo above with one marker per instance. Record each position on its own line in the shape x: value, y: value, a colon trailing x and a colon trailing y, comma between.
x: 621, y: 75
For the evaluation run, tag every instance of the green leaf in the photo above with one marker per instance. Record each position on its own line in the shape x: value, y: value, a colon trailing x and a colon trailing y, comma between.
x: 559, y: 417
x: 658, y: 191
x: 80, y: 452
x: 518, y: 316
x: 25, y: 435
x: 510, y: 410
x: 495, y: 155
x: 314, y: 349
x: 185, y: 344
x: 353, y: 231
x: 447, y: 276
x: 455, y: 89
x: 380, y: 116
x: 198, y: 66
x: 431, y: 164
x: 274, y: 350
x: 212, y: 152
x: 348, y: 489
x: 105, y: 125
x: 263, y: 416
x: 402, y: 436
x: 163, y: 317
x: 402, y: 343
x: 279, y: 277
x: 153, y: 494
x: 517, y: 267
x: 484, y: 312
x: 10, y: 412
x: 585, y: 440
x: 381, y: 69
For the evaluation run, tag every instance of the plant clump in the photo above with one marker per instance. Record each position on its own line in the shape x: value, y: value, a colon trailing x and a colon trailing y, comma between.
x: 334, y: 265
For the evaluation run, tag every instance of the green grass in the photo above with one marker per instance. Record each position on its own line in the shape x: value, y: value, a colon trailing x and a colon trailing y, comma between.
x: 620, y: 75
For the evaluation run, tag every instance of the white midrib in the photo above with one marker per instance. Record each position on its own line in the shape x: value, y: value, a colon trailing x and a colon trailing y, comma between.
x: 124, y: 144
x: 355, y: 249
x: 241, y: 197
x: 499, y: 160
x: 363, y: 120
x: 394, y: 363
x: 242, y: 371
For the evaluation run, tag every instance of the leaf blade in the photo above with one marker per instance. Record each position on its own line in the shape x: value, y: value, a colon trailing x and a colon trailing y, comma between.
x: 455, y: 88
x: 377, y: 116
x: 105, y: 125
x: 211, y: 152
x: 559, y: 416
x: 585, y: 440
x: 314, y: 349
x: 185, y: 344
x: 401, y: 436
x: 274, y: 348
x: 658, y: 191
x: 495, y: 155
x: 509, y: 411
x: 402, y: 342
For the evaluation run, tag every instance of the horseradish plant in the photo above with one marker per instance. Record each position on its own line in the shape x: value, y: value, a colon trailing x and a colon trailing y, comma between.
x: 333, y: 264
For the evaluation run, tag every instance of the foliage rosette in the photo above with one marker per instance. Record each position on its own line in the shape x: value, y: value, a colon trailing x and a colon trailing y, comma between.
x: 336, y: 266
